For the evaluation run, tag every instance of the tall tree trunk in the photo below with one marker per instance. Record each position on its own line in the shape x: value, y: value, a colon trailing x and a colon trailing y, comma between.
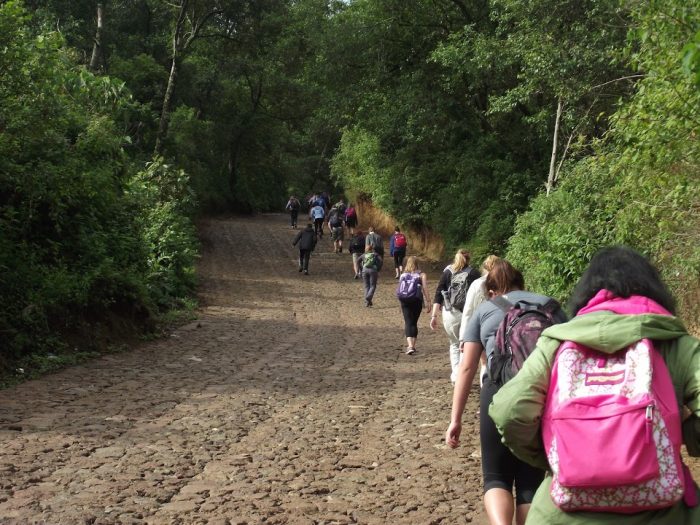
x: 167, y: 103
x: 555, y: 140
x: 97, y: 60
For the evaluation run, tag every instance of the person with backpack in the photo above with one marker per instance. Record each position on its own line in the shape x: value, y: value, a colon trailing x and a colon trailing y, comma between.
x: 606, y: 400
x: 449, y: 299
x: 491, y: 324
x: 292, y: 207
x: 356, y: 249
x: 397, y: 250
x: 371, y: 264
x: 335, y: 226
x: 374, y: 240
x: 412, y: 293
x: 306, y: 239
x: 476, y: 294
x: 351, y: 219
x: 316, y: 214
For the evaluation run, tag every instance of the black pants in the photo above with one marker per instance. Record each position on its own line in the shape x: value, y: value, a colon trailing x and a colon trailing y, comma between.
x: 293, y: 214
x: 304, y: 259
x: 411, y: 312
x: 318, y: 227
x: 500, y: 468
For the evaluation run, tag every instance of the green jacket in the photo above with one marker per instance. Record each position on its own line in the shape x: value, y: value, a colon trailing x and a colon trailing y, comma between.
x: 517, y: 407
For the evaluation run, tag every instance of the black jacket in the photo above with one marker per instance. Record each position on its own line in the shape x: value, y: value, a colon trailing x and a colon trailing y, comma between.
x: 306, y: 239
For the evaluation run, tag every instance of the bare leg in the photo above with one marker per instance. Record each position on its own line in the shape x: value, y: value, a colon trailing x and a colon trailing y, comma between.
x: 521, y: 513
x: 499, y: 506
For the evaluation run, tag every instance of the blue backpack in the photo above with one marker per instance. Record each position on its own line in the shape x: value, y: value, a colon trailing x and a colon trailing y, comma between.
x: 409, y: 288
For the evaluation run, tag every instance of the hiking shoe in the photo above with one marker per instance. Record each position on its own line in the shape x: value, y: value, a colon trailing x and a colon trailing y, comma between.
x: 410, y: 351
x: 356, y: 276
x: 300, y: 269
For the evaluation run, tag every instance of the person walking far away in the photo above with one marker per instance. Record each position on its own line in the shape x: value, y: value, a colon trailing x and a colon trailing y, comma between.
x: 449, y: 299
x: 374, y: 240
x: 412, y: 292
x: 351, y: 219
x: 475, y: 296
x: 371, y: 264
x: 317, y: 214
x: 306, y: 239
x: 335, y: 226
x: 397, y: 250
x: 501, y: 470
x: 342, y: 208
x: 292, y: 207
x: 625, y: 347
x: 357, y: 248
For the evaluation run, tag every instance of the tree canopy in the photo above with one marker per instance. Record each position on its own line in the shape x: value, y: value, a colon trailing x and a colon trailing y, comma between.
x: 541, y: 130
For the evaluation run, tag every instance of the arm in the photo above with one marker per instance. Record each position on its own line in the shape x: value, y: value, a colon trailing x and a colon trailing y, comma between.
x: 517, y: 407
x: 465, y: 377
x: 438, y: 300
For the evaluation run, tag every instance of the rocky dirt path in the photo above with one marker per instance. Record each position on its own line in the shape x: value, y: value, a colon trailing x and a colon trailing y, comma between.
x: 286, y: 402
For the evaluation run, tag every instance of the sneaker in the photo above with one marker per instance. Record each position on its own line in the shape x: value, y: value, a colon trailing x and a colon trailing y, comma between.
x: 396, y: 277
x: 410, y: 351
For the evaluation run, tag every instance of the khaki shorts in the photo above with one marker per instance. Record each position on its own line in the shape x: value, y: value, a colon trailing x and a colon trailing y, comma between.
x: 337, y: 233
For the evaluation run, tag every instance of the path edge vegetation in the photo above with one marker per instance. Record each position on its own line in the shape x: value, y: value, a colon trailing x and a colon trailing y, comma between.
x: 507, y: 127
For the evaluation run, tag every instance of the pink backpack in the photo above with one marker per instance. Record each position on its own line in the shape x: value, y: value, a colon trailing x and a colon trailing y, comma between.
x: 612, y: 431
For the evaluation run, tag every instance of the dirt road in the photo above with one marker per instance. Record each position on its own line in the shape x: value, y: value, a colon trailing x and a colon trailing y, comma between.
x: 287, y: 401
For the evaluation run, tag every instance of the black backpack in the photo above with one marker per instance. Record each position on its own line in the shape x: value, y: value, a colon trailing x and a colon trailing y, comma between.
x: 456, y: 293
x: 357, y: 244
x: 334, y: 219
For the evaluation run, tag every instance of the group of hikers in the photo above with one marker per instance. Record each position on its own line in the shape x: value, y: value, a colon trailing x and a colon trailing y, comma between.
x: 581, y: 421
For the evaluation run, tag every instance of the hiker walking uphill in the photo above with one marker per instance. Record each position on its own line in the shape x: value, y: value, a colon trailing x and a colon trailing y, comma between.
x: 625, y: 348
x: 502, y: 471
x: 397, y: 250
x: 449, y: 299
x: 316, y: 214
x: 374, y: 240
x: 351, y: 219
x: 475, y: 296
x: 357, y: 248
x: 335, y: 226
x: 412, y: 293
x: 306, y: 239
x: 293, y: 206
x: 371, y: 264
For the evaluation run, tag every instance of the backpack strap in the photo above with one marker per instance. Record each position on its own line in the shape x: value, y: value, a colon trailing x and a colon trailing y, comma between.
x: 503, y: 303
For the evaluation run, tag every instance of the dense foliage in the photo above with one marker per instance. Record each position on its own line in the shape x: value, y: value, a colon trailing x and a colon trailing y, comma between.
x: 542, y: 129
x: 641, y: 185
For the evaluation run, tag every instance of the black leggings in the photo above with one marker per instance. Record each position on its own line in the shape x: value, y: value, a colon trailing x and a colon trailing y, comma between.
x: 399, y: 256
x: 500, y: 468
x: 411, y: 312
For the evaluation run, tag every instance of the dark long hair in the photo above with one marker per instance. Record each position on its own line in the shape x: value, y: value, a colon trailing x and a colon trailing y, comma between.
x: 624, y: 272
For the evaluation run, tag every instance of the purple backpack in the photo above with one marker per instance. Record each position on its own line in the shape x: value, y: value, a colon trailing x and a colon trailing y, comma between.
x: 409, y: 288
x: 517, y: 335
